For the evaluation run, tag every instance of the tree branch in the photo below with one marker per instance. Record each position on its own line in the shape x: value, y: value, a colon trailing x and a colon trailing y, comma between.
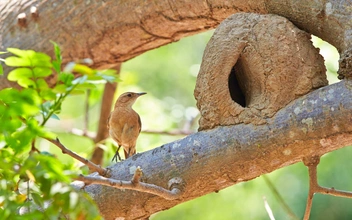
x: 175, y: 185
x: 314, y: 124
x: 92, y: 166
x: 117, y: 39
x: 102, y: 132
x: 312, y: 163
x: 93, y: 135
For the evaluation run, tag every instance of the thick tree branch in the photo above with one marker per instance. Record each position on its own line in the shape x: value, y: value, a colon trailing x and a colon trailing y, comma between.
x: 111, y: 32
x: 314, y: 124
x: 92, y: 166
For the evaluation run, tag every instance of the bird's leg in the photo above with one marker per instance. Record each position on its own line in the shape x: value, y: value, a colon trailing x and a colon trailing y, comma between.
x: 117, y: 155
x: 127, y: 153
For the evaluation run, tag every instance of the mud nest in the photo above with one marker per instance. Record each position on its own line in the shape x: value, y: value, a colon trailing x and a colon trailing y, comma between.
x: 253, y: 66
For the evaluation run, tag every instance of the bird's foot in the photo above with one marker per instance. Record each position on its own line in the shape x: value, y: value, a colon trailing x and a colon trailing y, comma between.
x: 117, y: 155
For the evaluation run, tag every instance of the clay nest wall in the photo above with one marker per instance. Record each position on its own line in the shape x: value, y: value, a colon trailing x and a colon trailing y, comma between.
x: 253, y: 66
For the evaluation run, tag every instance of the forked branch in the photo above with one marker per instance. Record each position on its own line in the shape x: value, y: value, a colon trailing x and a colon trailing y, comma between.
x: 175, y: 184
x: 312, y: 164
x: 92, y: 166
x: 174, y: 192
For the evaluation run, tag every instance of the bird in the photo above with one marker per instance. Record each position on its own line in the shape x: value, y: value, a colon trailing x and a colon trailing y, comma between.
x: 124, y: 124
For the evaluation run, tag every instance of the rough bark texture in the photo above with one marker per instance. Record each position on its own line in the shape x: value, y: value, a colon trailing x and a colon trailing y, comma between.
x: 211, y: 160
x: 114, y: 31
x: 257, y: 64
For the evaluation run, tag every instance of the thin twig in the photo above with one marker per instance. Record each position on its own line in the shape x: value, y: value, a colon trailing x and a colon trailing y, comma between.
x: 135, y: 184
x: 33, y: 148
x: 92, y: 166
x: 268, y: 209
x: 92, y: 135
x: 334, y: 192
x: 311, y: 163
x: 279, y: 198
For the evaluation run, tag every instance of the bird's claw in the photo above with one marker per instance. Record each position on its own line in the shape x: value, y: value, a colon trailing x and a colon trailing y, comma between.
x: 117, y: 155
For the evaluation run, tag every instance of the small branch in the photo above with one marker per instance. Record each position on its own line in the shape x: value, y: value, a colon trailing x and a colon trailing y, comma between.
x: 33, y: 148
x: 92, y: 166
x: 314, y: 187
x: 175, y: 185
x: 93, y: 135
x: 334, y: 192
x: 137, y: 175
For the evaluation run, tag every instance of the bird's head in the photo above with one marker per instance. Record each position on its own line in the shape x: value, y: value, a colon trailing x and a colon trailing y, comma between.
x: 128, y: 98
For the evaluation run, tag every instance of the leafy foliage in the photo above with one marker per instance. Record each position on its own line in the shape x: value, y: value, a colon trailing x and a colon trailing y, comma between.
x: 35, y: 184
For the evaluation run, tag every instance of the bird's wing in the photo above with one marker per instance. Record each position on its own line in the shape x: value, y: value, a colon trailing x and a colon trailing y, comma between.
x: 108, y: 121
x: 139, y: 123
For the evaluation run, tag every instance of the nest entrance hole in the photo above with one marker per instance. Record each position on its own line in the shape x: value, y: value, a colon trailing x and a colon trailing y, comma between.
x: 236, y: 86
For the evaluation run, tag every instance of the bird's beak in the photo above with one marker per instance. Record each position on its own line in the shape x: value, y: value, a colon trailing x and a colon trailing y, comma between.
x: 142, y: 93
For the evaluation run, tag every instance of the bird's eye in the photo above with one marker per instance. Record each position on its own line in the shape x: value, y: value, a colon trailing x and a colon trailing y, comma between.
x: 129, y: 95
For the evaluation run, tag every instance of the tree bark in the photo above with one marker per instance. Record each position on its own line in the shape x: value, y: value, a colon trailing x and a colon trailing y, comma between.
x: 209, y: 161
x: 110, y: 31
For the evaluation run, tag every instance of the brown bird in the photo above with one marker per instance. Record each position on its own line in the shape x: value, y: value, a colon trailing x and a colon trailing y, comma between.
x: 124, y: 124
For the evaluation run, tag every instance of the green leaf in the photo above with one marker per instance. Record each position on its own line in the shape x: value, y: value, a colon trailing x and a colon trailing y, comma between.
x: 54, y: 116
x: 95, y: 78
x: 28, y: 58
x: 1, y: 70
x: 19, y: 52
x: 66, y: 78
x: 37, y: 199
x: 80, y: 80
x: 77, y: 92
x: 20, y: 73
x: 86, y: 86
x: 42, y: 71
x: 59, y: 89
x: 26, y: 83
x: 56, y: 66
x: 110, y: 72
x: 17, y: 61
x: 41, y: 60
x: 42, y: 84
x: 83, y: 69
x: 110, y: 78
x: 57, y: 51
x: 48, y: 94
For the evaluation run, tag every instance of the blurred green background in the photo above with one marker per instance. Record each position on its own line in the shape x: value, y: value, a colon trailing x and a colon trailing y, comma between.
x: 168, y: 75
